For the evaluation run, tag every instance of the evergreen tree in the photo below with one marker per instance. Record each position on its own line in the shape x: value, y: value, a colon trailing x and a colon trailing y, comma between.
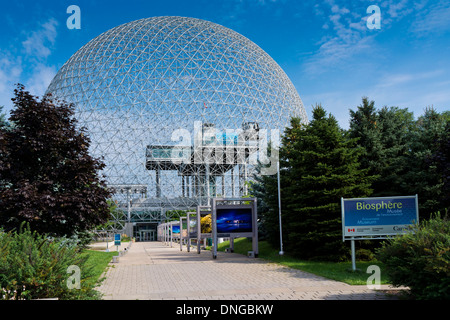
x: 48, y: 178
x: 319, y: 164
x: 441, y: 159
x: 265, y: 189
x: 383, y: 134
x: 364, y: 126
x: 2, y: 118
x: 325, y: 167
x: 394, y: 126
x: 420, y: 174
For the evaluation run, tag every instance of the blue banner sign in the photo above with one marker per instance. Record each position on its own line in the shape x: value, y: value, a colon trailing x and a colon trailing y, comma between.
x: 382, y: 216
x: 117, y: 239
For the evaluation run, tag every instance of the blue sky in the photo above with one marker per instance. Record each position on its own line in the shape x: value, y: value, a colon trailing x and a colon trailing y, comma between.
x: 325, y: 47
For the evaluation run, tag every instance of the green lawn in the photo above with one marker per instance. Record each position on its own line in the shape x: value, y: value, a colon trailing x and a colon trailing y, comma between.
x: 340, y: 271
x: 98, y: 261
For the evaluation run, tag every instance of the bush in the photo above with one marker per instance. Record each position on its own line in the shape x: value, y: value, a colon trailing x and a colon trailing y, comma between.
x: 125, y: 238
x: 80, y: 240
x: 420, y: 260
x: 364, y: 255
x: 33, y: 266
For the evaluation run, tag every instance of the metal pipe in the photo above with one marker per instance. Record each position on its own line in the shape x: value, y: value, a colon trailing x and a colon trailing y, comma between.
x: 279, y: 209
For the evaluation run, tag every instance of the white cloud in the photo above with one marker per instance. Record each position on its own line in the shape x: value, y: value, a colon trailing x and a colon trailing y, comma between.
x: 28, y: 64
x: 346, y: 37
x: 38, y: 43
x: 395, y: 80
x: 10, y: 72
x: 40, y: 79
x: 346, y: 34
x: 412, y: 90
x: 360, y: 25
x: 335, y: 9
x: 398, y: 8
x: 347, y: 46
x: 234, y: 13
x: 432, y: 19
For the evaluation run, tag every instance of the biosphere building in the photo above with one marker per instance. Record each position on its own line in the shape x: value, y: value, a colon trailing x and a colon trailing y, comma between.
x: 180, y: 109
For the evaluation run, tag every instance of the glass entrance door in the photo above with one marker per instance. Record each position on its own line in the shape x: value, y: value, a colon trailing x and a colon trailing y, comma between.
x: 144, y: 235
x: 147, y: 235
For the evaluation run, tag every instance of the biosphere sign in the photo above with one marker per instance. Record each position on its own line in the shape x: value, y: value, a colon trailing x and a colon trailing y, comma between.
x: 378, y: 216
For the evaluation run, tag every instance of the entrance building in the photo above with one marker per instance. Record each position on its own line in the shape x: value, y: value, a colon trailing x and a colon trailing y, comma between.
x: 145, y: 231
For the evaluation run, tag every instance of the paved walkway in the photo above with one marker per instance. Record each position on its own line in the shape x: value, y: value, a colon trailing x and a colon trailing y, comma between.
x: 153, y: 270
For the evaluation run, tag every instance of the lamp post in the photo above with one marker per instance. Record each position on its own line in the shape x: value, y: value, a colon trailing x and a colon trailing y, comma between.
x: 279, y: 209
x: 107, y: 249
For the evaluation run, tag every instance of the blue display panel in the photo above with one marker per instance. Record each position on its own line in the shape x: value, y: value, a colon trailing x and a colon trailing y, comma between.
x: 175, y: 229
x: 233, y: 220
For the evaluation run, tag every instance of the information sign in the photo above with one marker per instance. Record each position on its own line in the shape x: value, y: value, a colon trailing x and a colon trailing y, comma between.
x: 117, y: 239
x: 377, y: 217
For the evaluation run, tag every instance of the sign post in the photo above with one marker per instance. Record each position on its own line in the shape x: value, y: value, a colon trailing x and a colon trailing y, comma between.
x: 377, y: 218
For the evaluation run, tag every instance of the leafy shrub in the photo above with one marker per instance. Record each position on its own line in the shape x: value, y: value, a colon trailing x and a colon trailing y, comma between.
x: 420, y: 260
x: 33, y: 266
x: 80, y: 240
x: 364, y: 255
x: 126, y: 238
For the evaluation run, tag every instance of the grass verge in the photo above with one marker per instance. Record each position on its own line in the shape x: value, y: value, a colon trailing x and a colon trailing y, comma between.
x: 340, y: 271
x: 98, y: 261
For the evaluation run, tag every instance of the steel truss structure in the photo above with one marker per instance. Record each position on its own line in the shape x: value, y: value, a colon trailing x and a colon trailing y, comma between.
x: 143, y: 88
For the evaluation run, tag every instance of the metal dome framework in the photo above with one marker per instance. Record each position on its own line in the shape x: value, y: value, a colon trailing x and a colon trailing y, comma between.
x: 135, y: 85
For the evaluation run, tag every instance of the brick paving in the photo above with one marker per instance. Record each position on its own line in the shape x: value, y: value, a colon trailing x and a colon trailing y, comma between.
x: 155, y: 271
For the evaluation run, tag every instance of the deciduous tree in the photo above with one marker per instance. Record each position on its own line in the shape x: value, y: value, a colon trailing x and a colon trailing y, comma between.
x: 47, y: 176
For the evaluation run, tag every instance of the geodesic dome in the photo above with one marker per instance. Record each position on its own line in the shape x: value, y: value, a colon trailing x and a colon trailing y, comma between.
x: 136, y: 84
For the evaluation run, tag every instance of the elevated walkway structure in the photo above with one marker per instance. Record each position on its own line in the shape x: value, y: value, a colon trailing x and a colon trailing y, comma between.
x: 201, y: 167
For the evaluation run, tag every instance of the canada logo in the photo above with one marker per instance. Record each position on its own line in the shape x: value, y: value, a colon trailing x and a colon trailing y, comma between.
x: 351, y: 230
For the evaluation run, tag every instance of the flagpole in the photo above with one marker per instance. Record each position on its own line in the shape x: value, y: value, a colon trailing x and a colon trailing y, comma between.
x: 279, y: 209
